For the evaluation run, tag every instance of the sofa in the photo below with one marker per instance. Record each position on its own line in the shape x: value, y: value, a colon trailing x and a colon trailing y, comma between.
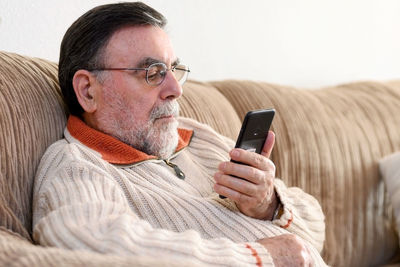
x: 329, y: 142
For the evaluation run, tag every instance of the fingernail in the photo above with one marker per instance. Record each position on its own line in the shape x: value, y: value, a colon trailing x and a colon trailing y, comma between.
x: 222, y: 166
x: 235, y: 153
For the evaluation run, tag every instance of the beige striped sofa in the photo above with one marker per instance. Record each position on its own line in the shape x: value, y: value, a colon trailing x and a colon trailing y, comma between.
x: 329, y: 142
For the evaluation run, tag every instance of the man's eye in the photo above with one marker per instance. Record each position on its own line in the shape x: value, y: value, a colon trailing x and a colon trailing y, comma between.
x: 152, y: 74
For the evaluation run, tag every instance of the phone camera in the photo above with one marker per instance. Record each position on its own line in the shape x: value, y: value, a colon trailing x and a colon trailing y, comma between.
x: 257, y: 132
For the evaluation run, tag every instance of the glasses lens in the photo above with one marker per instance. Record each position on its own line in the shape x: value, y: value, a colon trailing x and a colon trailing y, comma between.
x: 156, y: 73
x: 181, y: 73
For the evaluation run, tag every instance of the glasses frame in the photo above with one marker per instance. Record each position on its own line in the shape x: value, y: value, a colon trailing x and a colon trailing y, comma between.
x: 173, y: 68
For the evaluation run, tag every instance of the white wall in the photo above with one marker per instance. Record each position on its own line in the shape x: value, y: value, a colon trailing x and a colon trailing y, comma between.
x: 307, y: 43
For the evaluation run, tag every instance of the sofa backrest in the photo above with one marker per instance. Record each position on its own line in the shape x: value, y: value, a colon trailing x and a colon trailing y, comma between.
x: 31, y: 118
x: 328, y: 143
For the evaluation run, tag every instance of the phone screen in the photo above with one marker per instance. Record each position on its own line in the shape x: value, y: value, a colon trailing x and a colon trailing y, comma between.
x: 255, y: 129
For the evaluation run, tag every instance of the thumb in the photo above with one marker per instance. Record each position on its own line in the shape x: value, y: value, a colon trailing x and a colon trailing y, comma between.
x: 268, y: 145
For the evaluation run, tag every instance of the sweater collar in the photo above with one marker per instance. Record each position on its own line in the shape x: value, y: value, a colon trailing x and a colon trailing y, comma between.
x: 113, y: 150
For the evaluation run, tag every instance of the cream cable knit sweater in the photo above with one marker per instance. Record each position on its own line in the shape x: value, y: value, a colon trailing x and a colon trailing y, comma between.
x: 82, y: 201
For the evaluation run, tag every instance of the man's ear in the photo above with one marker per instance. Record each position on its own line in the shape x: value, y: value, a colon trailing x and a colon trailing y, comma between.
x: 86, y: 88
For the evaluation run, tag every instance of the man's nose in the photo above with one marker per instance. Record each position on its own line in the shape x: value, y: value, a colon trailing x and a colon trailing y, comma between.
x: 171, y: 88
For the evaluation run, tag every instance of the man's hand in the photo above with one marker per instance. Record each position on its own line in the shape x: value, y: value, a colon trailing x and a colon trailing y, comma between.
x: 254, y: 194
x: 287, y: 250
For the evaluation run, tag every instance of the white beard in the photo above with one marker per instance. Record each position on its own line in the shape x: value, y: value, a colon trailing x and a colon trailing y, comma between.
x: 161, y: 140
x: 155, y: 137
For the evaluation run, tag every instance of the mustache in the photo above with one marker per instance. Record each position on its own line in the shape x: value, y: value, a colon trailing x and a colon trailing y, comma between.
x: 168, y: 109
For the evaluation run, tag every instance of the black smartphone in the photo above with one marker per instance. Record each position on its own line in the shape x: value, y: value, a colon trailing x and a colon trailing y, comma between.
x: 254, y: 131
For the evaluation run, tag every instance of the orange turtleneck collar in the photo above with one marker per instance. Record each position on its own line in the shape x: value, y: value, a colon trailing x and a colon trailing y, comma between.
x: 112, y: 149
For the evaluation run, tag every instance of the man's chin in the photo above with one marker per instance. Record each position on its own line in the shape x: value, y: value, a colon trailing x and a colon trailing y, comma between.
x: 168, y: 144
x: 165, y: 137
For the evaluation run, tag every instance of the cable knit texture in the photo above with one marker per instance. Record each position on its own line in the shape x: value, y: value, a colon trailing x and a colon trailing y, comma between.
x: 82, y: 201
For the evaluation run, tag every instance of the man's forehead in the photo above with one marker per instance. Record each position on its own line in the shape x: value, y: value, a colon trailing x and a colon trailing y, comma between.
x: 141, y: 45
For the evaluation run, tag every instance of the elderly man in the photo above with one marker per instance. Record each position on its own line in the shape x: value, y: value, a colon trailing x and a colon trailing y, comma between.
x: 130, y: 177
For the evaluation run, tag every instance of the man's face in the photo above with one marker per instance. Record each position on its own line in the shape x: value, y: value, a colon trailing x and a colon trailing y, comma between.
x: 131, y: 110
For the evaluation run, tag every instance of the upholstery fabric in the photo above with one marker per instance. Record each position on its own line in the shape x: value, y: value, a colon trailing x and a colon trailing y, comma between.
x: 206, y: 104
x: 31, y: 118
x: 329, y: 142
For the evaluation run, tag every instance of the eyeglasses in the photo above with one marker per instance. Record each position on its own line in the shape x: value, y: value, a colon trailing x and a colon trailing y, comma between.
x: 156, y: 72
